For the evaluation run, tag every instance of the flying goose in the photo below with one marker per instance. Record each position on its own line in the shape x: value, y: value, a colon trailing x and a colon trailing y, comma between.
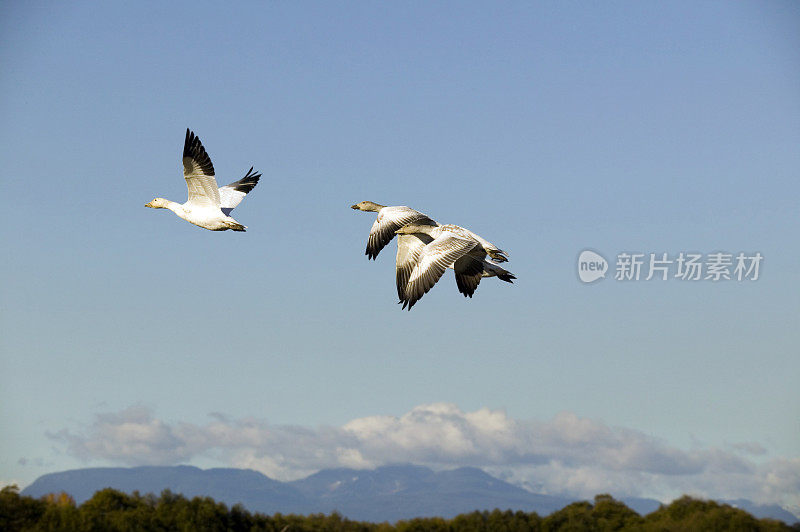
x: 208, y: 206
x: 424, y: 252
x: 389, y: 220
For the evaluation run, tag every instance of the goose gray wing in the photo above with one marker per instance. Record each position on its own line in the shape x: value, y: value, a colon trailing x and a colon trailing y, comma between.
x: 389, y: 220
x: 199, y: 173
x: 468, y: 270
x: 232, y: 195
x: 433, y: 260
x: 409, y: 248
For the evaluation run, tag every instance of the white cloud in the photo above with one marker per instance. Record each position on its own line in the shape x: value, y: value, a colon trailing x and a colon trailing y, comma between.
x: 566, y: 455
x: 131, y: 436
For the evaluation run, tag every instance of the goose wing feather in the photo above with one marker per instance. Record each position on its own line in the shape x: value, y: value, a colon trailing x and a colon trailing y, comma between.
x: 468, y: 271
x: 199, y: 173
x: 232, y: 195
x: 409, y: 248
x: 433, y: 260
x: 389, y: 220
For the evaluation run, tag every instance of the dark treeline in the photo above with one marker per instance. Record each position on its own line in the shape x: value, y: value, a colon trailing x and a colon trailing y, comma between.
x: 111, y: 510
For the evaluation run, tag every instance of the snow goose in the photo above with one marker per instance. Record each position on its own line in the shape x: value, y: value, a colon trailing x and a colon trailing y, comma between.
x: 208, y: 206
x: 424, y: 252
x: 389, y: 220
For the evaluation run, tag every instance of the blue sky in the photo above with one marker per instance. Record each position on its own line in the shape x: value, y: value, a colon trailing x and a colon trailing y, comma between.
x: 547, y: 128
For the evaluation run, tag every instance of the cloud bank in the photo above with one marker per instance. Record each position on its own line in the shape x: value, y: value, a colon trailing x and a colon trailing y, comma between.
x: 566, y: 455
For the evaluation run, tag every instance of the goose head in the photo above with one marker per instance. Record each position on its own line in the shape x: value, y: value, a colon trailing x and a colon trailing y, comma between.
x: 414, y: 229
x: 158, y: 203
x: 368, y: 206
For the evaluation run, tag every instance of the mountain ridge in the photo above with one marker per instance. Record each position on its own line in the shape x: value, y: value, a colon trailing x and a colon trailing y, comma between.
x: 387, y: 493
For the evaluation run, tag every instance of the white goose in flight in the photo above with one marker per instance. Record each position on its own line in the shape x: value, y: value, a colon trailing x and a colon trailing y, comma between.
x: 208, y: 206
x: 424, y: 252
x: 389, y: 220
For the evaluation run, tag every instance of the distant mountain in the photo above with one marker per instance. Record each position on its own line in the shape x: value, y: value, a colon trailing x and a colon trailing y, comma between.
x: 772, y: 511
x: 401, y: 492
x: 250, y: 488
x: 388, y: 493
x: 641, y: 506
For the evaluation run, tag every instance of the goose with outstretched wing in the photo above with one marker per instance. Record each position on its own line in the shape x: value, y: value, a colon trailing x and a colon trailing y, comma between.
x: 208, y: 206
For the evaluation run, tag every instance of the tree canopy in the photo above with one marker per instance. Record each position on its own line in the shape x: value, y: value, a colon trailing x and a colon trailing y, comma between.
x: 110, y: 510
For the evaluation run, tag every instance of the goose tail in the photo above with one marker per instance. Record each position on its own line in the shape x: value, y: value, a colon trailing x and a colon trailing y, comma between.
x: 506, y: 276
x: 491, y: 269
x: 235, y: 226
